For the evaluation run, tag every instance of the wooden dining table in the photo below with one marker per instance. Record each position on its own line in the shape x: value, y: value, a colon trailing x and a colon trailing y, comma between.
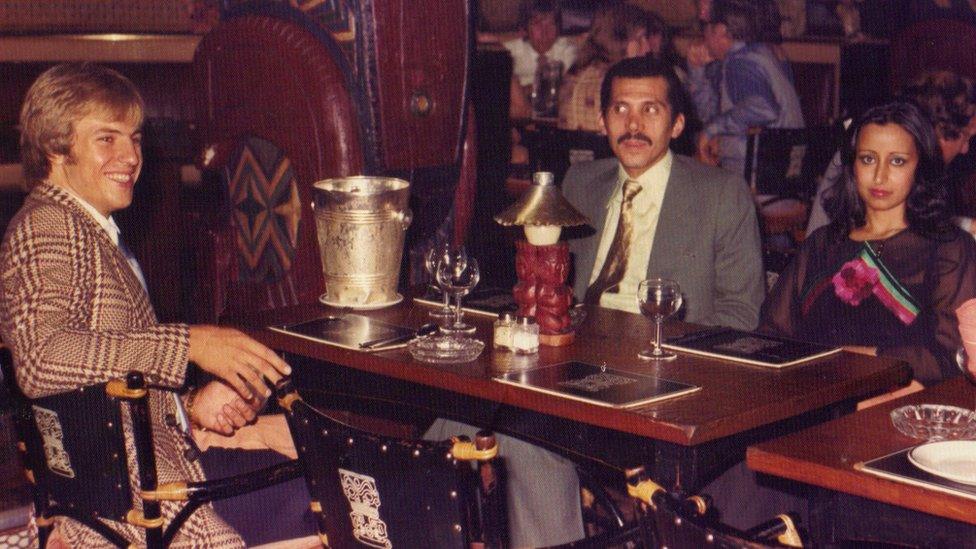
x: 682, y: 440
x: 850, y: 503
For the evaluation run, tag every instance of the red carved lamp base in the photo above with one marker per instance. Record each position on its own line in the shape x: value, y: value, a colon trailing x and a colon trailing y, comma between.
x: 541, y: 291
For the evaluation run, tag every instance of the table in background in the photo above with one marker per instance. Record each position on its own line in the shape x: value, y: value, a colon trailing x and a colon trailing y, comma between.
x: 855, y: 503
x: 683, y: 440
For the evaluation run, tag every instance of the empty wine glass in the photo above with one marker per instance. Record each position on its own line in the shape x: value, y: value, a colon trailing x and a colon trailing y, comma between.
x: 458, y: 274
x: 658, y: 299
x: 545, y: 88
x: 431, y: 259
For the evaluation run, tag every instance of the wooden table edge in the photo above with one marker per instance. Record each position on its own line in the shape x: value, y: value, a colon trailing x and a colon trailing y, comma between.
x: 381, y: 363
x: 868, y: 486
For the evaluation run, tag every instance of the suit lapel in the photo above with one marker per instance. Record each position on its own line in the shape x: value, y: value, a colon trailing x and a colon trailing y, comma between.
x: 120, y: 263
x: 595, y: 208
x: 676, y: 211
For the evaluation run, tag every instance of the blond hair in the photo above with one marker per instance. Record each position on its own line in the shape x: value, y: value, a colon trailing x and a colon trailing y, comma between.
x: 58, y: 99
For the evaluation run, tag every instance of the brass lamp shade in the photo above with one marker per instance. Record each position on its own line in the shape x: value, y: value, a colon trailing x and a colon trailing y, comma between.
x: 542, y: 204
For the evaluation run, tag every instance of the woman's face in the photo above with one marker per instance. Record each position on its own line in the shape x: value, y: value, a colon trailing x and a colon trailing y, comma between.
x: 704, y: 9
x: 640, y: 44
x: 885, y: 161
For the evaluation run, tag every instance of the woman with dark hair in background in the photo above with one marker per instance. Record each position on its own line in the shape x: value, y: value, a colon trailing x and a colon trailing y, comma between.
x: 887, y: 274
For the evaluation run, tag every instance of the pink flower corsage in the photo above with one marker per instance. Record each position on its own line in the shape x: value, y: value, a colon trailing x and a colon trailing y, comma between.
x: 855, y: 281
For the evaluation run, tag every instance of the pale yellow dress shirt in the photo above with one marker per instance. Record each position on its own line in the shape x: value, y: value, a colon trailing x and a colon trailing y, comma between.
x: 647, y: 209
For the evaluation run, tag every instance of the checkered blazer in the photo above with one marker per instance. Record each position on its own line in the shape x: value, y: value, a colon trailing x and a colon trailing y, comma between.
x: 74, y: 313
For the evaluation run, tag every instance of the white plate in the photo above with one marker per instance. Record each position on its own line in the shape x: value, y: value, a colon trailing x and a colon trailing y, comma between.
x: 363, y: 307
x: 951, y: 459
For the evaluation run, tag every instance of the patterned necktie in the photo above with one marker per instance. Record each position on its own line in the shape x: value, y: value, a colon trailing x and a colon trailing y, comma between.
x: 616, y: 262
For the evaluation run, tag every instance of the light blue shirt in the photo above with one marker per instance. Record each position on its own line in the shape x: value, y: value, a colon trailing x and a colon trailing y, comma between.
x: 750, y: 88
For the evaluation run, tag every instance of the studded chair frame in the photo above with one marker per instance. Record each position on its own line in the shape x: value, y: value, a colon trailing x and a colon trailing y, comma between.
x: 670, y: 522
x: 74, y: 453
x: 380, y: 491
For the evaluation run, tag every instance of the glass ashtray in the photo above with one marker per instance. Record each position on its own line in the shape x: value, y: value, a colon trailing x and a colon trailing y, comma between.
x: 935, y: 422
x: 576, y: 317
x: 445, y: 349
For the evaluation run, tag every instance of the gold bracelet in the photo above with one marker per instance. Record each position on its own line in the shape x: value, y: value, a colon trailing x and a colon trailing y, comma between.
x: 188, y: 402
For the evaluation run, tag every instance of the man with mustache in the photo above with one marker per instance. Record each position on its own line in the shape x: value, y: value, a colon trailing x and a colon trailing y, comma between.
x: 682, y: 220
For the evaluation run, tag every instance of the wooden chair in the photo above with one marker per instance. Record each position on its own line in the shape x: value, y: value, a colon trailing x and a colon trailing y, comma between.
x: 375, y: 490
x: 783, y: 167
x: 671, y: 522
x: 74, y: 452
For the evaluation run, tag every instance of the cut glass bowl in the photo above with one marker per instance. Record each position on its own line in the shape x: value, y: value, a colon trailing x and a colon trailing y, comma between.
x: 446, y: 349
x: 935, y: 422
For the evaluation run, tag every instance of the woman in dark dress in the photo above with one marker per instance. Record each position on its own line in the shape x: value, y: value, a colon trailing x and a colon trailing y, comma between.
x: 887, y: 274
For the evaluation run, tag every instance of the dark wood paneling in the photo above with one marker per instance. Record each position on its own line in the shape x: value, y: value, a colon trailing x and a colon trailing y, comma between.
x: 422, y: 48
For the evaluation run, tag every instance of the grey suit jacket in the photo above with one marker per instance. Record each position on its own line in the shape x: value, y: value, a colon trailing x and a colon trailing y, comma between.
x: 707, y: 238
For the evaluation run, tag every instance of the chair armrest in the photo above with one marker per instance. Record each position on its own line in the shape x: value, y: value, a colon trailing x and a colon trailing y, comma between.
x: 227, y: 487
x: 466, y: 450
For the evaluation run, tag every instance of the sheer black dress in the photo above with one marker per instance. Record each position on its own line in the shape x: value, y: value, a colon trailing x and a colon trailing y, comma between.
x: 899, y: 295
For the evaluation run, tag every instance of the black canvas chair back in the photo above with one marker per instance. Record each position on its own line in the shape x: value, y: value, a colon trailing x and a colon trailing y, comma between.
x: 74, y: 451
x: 370, y: 490
x: 668, y: 521
x: 555, y: 150
x: 787, y: 162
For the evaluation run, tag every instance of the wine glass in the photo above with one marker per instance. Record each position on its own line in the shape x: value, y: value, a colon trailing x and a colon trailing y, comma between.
x: 431, y: 259
x: 458, y: 274
x: 658, y: 299
x: 545, y: 88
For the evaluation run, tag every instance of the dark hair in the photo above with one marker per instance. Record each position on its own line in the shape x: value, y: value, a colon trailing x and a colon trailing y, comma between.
x: 741, y: 18
x: 926, y: 208
x: 530, y: 8
x: 611, y: 29
x: 59, y: 98
x: 646, y: 67
x: 947, y: 100
x: 655, y: 26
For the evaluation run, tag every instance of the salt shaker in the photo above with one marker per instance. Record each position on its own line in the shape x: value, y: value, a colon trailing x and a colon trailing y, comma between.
x: 526, y: 336
x: 504, y: 332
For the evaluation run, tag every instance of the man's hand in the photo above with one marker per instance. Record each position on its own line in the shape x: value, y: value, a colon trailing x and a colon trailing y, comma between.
x: 219, y: 408
x: 707, y: 149
x: 698, y: 55
x: 237, y: 359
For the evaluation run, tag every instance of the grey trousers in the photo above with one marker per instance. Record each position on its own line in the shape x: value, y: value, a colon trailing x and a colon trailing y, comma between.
x: 745, y: 498
x: 543, y: 492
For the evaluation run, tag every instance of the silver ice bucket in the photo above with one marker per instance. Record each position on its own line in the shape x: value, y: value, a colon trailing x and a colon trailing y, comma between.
x: 361, y: 223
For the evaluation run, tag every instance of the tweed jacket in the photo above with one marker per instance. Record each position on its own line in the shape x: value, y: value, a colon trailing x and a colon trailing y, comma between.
x: 707, y: 238
x: 74, y: 313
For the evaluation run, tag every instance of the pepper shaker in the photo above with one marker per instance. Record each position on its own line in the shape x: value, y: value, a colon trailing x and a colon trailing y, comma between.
x: 504, y: 332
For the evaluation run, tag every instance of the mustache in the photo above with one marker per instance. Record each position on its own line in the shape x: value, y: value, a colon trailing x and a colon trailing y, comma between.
x: 637, y: 136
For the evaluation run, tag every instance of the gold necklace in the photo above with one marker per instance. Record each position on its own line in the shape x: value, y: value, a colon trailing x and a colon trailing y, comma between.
x: 878, y: 244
